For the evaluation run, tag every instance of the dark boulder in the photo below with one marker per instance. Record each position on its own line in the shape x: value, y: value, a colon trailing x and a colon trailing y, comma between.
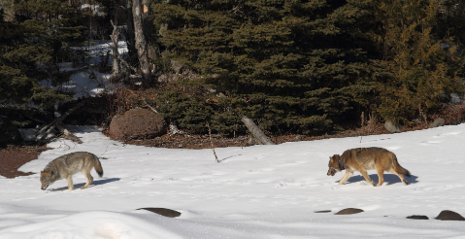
x: 349, y: 211
x: 136, y: 124
x: 448, y: 215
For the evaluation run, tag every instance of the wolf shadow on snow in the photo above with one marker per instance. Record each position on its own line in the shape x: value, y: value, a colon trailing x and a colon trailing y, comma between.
x: 96, y: 183
x: 388, y: 179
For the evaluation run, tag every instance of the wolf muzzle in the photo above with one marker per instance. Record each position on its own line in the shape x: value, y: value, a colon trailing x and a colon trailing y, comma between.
x: 331, y: 172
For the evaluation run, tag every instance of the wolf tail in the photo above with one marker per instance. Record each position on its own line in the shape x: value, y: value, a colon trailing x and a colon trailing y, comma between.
x: 98, y: 167
x: 399, y: 169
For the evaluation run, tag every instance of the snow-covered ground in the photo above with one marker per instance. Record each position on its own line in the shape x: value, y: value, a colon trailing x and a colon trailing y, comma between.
x: 258, y: 192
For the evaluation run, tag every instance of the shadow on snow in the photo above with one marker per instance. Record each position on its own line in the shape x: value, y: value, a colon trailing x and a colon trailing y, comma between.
x: 388, y: 179
x: 96, y: 183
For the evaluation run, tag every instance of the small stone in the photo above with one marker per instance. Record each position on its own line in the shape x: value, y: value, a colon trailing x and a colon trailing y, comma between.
x: 418, y: 217
x: 323, y: 211
x: 162, y: 211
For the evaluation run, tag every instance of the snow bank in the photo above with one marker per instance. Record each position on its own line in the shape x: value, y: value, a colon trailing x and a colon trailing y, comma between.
x: 255, y: 192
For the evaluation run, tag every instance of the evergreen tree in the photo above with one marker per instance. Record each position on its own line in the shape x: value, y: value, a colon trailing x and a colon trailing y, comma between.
x: 293, y: 66
x: 422, y: 72
x: 32, y: 46
x: 452, y: 21
x: 15, y: 86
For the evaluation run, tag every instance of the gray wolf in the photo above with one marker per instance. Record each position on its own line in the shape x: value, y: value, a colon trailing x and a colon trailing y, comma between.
x: 65, y: 166
x: 363, y: 159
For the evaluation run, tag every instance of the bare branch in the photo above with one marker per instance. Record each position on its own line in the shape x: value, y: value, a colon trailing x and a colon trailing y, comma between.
x: 211, y: 143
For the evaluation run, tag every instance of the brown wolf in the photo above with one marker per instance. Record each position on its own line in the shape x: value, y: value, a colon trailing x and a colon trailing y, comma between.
x: 363, y: 159
x: 66, y: 165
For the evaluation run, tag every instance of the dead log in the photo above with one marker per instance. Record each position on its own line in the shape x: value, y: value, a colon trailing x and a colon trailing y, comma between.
x: 66, y: 134
x: 256, y: 132
x: 47, y: 133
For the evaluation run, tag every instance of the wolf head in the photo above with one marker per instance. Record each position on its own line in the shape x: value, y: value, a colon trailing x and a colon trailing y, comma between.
x: 334, y: 165
x: 47, y: 177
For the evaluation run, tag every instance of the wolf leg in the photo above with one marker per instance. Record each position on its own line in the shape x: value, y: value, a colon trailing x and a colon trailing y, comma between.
x: 380, y: 173
x: 70, y: 183
x: 366, y: 177
x: 346, y: 176
x: 401, y: 177
x: 90, y: 180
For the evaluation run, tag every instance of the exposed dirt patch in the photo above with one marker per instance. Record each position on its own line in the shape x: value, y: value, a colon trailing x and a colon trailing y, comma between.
x: 13, y: 157
x: 190, y: 141
x: 203, y: 141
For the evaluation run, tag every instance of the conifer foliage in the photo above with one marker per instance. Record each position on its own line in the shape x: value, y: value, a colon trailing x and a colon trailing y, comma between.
x: 423, y: 67
x: 316, y: 66
x: 294, y: 66
x: 31, y: 45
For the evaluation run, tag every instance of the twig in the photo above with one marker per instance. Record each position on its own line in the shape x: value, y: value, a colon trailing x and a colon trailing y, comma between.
x: 211, y: 143
x: 149, y: 106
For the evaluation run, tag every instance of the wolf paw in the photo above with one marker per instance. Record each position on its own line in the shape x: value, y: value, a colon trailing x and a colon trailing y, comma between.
x: 86, y: 186
x: 371, y: 183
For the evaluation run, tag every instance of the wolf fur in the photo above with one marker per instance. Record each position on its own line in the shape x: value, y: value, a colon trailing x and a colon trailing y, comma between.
x: 65, y: 166
x: 363, y: 159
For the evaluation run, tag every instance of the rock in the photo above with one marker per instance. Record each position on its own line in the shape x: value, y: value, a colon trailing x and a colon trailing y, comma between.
x: 162, y: 211
x: 391, y: 127
x: 137, y: 123
x: 349, y: 211
x: 418, y: 217
x: 437, y: 122
x: 448, y: 215
x: 455, y: 98
x: 323, y: 211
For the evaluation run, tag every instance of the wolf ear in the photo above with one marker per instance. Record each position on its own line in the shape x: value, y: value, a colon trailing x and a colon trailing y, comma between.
x: 335, y: 157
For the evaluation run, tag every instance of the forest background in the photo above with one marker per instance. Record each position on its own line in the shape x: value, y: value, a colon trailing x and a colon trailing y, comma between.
x: 295, y: 67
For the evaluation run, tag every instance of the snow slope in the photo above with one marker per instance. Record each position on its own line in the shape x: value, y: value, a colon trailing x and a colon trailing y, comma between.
x: 255, y: 192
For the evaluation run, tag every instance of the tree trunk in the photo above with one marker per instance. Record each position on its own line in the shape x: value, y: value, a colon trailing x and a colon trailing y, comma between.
x: 114, y: 48
x: 129, y: 35
x: 256, y: 132
x: 140, y: 42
